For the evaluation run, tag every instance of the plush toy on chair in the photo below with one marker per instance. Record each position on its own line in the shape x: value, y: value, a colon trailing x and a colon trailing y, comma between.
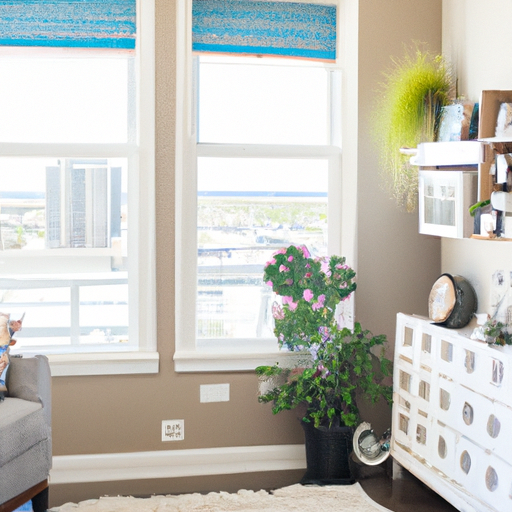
x: 7, y: 328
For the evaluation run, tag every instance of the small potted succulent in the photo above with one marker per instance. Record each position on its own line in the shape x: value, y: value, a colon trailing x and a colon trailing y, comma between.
x: 337, y: 365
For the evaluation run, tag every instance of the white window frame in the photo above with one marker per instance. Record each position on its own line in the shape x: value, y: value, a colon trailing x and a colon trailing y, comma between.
x: 141, y: 189
x: 191, y: 355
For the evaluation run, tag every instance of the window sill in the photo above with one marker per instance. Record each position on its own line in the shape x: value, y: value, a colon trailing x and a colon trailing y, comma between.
x: 199, y: 361
x: 103, y: 364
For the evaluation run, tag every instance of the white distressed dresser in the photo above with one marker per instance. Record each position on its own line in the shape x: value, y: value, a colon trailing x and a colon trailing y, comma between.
x: 452, y: 414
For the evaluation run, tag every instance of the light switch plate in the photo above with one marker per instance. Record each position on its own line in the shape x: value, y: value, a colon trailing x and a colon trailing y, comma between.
x: 214, y: 393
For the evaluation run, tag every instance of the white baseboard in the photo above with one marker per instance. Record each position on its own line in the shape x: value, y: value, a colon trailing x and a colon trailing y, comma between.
x: 68, y: 469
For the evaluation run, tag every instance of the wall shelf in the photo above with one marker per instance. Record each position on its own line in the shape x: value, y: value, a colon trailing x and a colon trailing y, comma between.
x: 448, y: 154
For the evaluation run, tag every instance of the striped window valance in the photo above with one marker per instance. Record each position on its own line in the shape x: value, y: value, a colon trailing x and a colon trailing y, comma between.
x: 68, y: 23
x: 264, y: 28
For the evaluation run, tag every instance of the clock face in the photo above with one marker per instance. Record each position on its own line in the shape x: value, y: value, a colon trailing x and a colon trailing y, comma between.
x: 442, y: 299
x: 452, y: 301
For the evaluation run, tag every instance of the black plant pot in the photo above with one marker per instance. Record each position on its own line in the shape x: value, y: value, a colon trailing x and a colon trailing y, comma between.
x: 327, y: 455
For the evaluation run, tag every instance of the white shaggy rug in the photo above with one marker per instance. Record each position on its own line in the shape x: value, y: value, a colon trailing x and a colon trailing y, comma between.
x: 295, y: 498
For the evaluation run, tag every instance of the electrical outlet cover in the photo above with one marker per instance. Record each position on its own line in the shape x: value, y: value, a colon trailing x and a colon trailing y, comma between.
x: 173, y: 430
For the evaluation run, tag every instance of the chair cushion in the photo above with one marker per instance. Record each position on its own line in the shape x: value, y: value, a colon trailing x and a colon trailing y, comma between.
x: 22, y: 425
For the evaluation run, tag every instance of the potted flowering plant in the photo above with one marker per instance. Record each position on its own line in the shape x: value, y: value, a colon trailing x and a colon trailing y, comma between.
x: 338, y: 365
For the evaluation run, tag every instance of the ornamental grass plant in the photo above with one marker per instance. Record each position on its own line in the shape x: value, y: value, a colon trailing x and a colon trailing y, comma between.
x: 408, y: 111
x: 338, y: 365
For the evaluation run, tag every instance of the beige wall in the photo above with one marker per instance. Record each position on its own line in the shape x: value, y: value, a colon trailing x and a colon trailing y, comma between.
x: 478, y: 41
x: 396, y: 268
x: 396, y: 265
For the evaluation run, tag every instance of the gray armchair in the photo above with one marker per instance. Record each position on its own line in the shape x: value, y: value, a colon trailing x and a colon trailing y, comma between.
x: 25, y: 435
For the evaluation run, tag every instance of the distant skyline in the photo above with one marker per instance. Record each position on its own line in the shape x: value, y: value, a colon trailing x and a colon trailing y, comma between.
x: 21, y: 194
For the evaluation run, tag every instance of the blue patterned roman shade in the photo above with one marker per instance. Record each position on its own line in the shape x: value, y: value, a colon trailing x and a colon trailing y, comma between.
x: 68, y: 23
x: 255, y: 27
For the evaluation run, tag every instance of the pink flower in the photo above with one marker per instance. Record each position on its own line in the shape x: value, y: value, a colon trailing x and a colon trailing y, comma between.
x: 270, y: 262
x: 308, y: 274
x: 325, y: 267
x: 280, y: 251
x: 289, y: 282
x: 304, y: 250
x: 290, y: 258
x: 277, y: 311
x: 319, y: 304
x: 269, y: 283
x: 308, y: 295
x: 282, y: 268
x: 292, y: 306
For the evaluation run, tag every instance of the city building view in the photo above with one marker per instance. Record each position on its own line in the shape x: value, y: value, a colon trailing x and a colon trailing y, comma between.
x: 63, y: 239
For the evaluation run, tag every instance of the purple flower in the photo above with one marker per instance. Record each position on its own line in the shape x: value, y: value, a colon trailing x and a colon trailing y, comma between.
x: 324, y: 332
x: 324, y: 371
x: 313, y: 350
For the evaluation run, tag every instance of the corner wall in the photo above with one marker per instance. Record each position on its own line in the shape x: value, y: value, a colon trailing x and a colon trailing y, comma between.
x: 478, y: 41
x: 396, y: 265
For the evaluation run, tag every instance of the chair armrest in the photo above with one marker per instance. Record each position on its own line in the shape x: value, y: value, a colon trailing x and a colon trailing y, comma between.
x: 29, y: 378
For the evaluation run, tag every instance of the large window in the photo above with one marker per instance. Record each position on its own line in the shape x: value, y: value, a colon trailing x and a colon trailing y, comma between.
x: 261, y: 169
x: 76, y: 138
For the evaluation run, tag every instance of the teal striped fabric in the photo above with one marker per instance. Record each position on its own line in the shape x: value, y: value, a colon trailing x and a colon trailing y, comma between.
x: 268, y: 28
x: 68, y: 23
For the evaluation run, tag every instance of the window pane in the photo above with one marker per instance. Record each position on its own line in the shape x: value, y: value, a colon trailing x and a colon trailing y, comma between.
x: 63, y: 249
x: 262, y: 103
x: 50, y: 203
x: 67, y: 309
x: 247, y: 209
x: 80, y: 100
x: 38, y: 305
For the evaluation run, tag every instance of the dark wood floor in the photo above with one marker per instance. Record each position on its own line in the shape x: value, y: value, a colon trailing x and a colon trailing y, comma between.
x: 402, y: 495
